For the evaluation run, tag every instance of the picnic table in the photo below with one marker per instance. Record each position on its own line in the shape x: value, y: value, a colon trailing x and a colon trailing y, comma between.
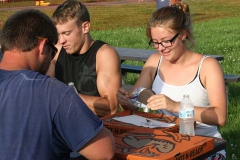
x: 219, y: 144
x: 121, y: 129
x: 143, y: 54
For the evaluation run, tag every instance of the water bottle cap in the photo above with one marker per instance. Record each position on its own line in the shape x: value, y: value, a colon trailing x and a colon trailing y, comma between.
x: 70, y: 83
x: 146, y: 109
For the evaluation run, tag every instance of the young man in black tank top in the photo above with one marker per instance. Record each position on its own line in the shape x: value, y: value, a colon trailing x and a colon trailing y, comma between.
x: 93, y: 66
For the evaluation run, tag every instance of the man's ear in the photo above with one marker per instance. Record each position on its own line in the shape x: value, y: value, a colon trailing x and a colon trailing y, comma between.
x: 86, y: 27
x: 41, y: 46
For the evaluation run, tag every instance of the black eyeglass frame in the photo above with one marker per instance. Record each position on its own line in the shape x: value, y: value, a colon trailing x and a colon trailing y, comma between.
x: 54, y: 49
x: 151, y: 43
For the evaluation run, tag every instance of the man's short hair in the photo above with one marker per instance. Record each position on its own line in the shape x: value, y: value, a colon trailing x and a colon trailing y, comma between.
x: 22, y: 29
x: 71, y: 9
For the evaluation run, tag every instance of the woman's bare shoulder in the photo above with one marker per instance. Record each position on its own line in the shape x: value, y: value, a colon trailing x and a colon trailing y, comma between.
x: 153, y: 59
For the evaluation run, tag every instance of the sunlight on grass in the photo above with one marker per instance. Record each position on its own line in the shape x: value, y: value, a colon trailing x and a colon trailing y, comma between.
x: 222, y: 37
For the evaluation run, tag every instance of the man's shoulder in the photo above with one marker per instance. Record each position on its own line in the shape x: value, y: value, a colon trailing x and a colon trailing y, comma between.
x: 107, y: 49
x: 45, y: 81
x: 103, y: 44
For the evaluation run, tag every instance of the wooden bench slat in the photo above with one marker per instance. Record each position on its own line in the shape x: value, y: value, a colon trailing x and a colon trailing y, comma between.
x: 137, y: 69
x: 231, y: 78
x: 143, y: 54
x: 131, y: 68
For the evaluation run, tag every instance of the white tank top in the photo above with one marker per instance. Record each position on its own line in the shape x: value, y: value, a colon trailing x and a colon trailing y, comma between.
x: 197, y: 93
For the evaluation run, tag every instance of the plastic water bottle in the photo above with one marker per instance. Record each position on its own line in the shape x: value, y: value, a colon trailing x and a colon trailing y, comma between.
x: 186, y: 116
x: 72, y: 85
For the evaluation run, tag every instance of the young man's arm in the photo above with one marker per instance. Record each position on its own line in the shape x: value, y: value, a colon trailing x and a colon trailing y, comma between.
x: 108, y: 82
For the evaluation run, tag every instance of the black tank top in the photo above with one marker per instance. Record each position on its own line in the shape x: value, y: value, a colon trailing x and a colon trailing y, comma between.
x: 80, y: 69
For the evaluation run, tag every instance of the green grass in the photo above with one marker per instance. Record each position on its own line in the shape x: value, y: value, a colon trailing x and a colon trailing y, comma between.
x: 216, y: 30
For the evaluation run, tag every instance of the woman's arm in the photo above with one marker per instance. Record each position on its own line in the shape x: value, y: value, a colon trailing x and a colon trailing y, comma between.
x: 212, y: 78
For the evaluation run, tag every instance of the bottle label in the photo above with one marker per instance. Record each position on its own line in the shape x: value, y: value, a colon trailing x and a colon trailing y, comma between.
x: 186, y: 114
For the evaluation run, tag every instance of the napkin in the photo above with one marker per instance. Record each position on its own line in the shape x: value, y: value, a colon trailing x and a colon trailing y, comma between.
x: 142, y: 121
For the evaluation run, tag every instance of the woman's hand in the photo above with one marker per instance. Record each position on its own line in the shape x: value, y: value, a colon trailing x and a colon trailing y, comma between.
x: 161, y: 101
x: 122, y: 97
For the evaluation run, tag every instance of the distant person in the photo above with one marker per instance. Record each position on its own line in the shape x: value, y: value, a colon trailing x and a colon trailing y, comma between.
x: 176, y: 70
x: 174, y: 1
x: 92, y: 65
x: 41, y: 118
x: 164, y: 3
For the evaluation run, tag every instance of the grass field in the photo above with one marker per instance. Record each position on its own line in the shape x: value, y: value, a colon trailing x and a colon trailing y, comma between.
x: 216, y: 30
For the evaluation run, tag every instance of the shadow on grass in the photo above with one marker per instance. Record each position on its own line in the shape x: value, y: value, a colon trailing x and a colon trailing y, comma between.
x: 234, y: 89
x: 231, y: 130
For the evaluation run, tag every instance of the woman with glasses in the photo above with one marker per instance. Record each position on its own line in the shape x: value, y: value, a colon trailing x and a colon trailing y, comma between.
x: 175, y: 70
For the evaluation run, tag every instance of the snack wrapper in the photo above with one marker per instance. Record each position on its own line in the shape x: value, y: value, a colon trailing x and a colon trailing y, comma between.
x: 134, y: 98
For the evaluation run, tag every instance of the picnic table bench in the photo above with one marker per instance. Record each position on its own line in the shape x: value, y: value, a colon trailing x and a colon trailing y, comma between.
x: 143, y: 55
x: 137, y: 69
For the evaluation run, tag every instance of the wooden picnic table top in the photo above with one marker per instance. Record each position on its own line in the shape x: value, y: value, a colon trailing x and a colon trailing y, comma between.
x: 219, y: 144
x: 143, y: 54
x: 118, y: 128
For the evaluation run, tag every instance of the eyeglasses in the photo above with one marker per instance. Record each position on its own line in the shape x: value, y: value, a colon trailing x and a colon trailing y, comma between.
x: 166, y: 43
x: 54, y: 49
